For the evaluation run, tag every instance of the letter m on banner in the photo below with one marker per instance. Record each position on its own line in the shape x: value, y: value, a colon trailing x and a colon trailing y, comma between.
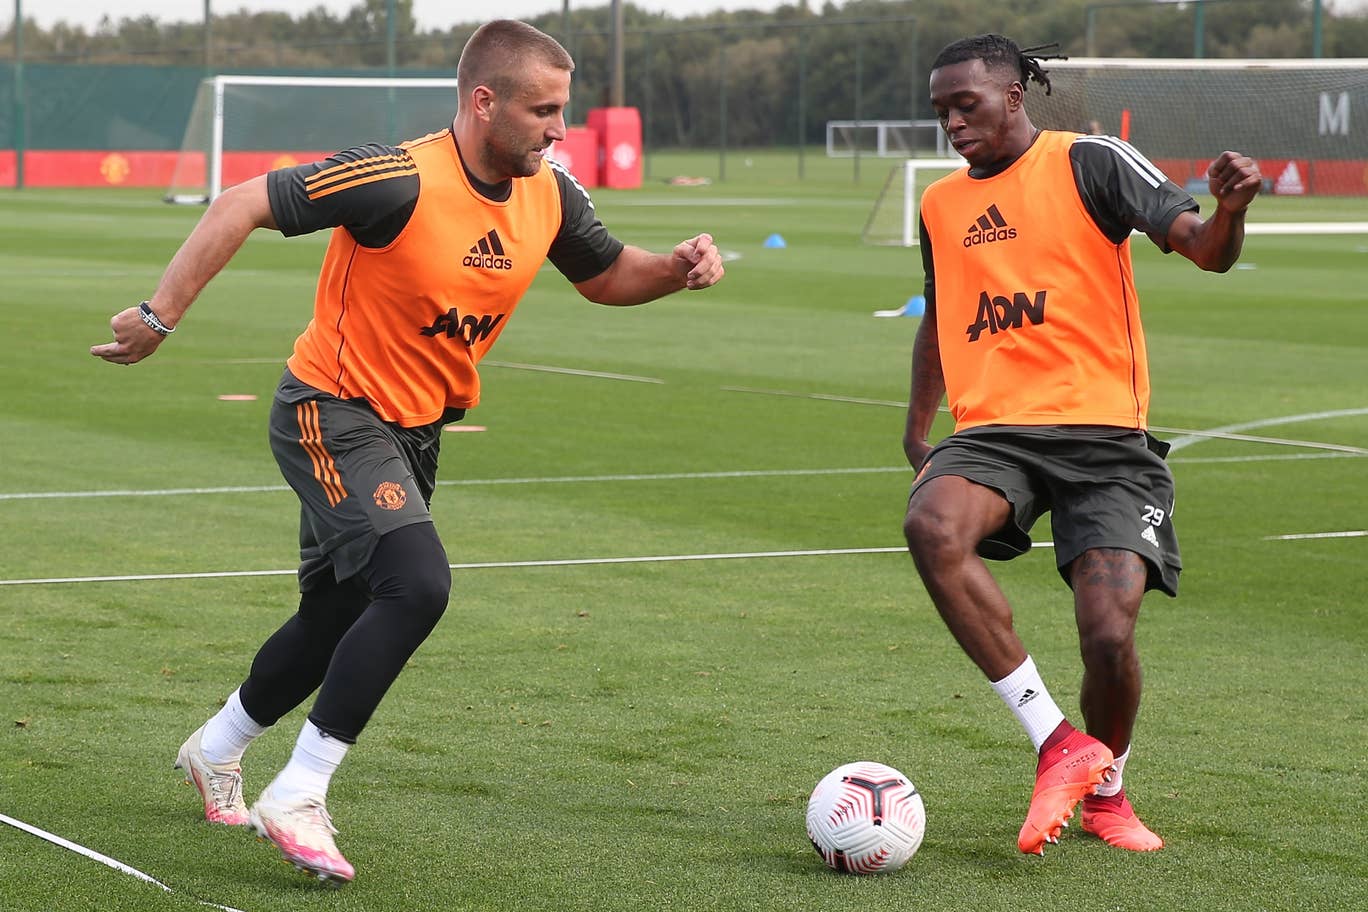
x: 1334, y: 116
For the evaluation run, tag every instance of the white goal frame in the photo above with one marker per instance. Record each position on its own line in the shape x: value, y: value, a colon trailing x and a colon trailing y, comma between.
x: 214, y: 154
x: 910, y: 198
x: 888, y: 142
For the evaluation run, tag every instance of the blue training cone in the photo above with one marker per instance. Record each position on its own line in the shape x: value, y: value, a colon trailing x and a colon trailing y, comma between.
x: 775, y: 242
x: 915, y: 307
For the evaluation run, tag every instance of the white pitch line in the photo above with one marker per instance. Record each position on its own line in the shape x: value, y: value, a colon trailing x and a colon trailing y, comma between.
x: 678, y: 202
x: 466, y: 482
x: 156, y: 492
x: 565, y: 562
x: 1302, y: 536
x: 102, y: 859
x: 1197, y: 436
x: 1280, y: 441
x: 674, y: 476
x: 1265, y: 457
x: 485, y: 565
x: 1306, y: 228
x: 1190, y: 436
x: 549, y: 369
x: 599, y: 479
x: 828, y: 397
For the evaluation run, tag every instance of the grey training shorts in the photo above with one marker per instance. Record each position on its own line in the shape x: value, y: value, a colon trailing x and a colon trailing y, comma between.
x: 1103, y: 488
x: 357, y: 476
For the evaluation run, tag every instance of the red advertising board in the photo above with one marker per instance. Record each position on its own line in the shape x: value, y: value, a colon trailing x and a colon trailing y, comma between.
x: 1284, y: 176
x: 608, y: 155
x: 619, y: 138
x: 578, y: 152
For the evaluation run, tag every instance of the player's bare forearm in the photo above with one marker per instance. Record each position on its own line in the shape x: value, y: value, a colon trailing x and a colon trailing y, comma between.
x: 217, y: 236
x: 927, y: 390
x: 638, y: 276
x: 1215, y: 244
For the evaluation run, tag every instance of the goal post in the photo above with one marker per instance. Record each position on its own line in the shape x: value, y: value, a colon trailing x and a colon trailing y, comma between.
x: 885, y: 138
x: 893, y: 220
x: 241, y: 126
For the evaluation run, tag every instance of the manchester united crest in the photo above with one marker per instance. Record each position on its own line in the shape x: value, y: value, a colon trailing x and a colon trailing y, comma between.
x: 390, y: 496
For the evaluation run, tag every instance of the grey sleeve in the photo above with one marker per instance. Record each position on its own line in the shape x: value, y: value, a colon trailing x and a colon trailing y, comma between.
x: 583, y: 248
x: 928, y: 263
x: 1123, y: 191
x: 370, y: 190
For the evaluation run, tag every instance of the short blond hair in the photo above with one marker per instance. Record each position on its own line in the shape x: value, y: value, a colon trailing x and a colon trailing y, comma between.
x: 498, y: 53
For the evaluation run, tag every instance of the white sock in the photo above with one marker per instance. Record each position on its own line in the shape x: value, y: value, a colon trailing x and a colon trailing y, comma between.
x: 1107, y: 789
x: 1024, y: 693
x: 226, y: 736
x: 316, y: 757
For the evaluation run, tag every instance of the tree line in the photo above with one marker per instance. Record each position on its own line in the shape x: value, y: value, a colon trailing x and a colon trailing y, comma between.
x: 736, y: 78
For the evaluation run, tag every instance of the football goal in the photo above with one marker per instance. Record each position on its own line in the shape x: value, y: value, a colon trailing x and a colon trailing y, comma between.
x: 893, y: 220
x: 242, y: 126
x: 885, y: 138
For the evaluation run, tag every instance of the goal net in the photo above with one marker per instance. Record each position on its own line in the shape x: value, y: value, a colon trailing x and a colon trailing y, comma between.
x: 242, y: 126
x: 1305, y: 121
x: 893, y: 220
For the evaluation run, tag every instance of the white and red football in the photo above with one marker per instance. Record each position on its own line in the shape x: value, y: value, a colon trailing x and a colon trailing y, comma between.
x: 866, y: 818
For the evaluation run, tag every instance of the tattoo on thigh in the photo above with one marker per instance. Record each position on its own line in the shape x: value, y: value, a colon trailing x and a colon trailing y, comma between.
x: 1115, y: 568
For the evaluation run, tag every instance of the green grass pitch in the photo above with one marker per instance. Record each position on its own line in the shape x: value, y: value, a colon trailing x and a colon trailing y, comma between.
x: 644, y: 735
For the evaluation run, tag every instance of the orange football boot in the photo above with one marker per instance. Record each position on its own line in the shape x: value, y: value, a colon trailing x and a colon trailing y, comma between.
x: 1072, y: 764
x: 1112, y: 819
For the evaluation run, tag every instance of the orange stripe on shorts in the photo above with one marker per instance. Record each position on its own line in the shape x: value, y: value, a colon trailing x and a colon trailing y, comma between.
x: 325, y: 470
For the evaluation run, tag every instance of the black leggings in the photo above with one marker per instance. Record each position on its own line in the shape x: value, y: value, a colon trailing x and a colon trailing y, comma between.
x: 353, y: 637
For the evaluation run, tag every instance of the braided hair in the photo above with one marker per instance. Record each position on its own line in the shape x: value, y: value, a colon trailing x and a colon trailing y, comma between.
x: 998, y: 52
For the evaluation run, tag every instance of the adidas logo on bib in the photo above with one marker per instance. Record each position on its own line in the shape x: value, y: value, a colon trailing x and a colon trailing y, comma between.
x: 488, y: 253
x: 989, y: 227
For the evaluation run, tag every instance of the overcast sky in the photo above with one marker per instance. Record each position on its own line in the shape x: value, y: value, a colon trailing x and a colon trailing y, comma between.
x: 429, y: 14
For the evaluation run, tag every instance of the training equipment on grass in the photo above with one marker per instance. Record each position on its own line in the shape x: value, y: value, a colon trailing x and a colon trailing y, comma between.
x: 866, y: 818
x: 915, y: 307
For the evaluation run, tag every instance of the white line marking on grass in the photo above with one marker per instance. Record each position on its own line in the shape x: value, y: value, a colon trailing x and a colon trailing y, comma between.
x: 1306, y: 228
x: 485, y: 565
x: 674, y: 476
x: 1345, y: 452
x: 1266, y: 457
x: 156, y: 492
x: 673, y: 558
x: 1349, y: 452
x: 823, y: 396
x: 671, y: 202
x: 546, y: 368
x: 145, y: 577
x: 1301, y: 536
x: 102, y: 859
x: 1197, y: 436
x: 1192, y: 436
x: 465, y: 482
